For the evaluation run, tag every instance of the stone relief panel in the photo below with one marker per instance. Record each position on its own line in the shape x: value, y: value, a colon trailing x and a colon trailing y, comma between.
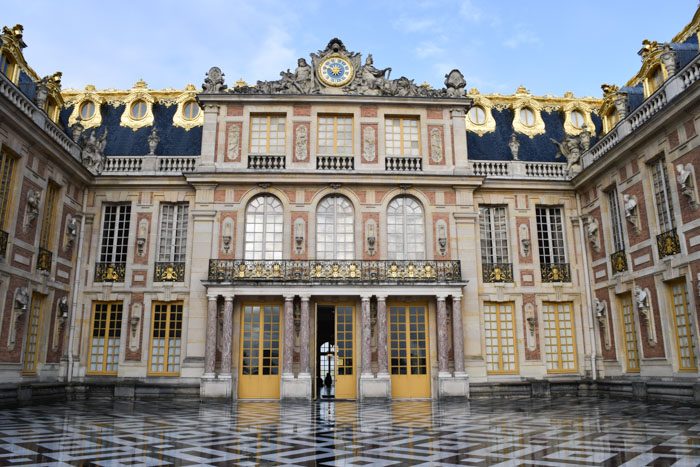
x: 369, y: 143
x: 437, y: 146
x: 301, y: 142
x: 233, y: 142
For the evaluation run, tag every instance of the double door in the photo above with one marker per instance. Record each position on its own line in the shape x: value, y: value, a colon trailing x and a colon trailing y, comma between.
x: 336, y: 370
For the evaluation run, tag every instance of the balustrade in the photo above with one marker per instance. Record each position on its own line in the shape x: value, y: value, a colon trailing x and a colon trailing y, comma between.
x: 404, y: 164
x: 266, y: 162
x: 335, y: 163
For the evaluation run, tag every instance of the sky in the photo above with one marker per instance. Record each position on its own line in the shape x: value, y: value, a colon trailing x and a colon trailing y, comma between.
x: 548, y: 46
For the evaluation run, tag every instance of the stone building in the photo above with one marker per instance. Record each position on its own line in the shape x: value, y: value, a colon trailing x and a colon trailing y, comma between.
x: 340, y: 225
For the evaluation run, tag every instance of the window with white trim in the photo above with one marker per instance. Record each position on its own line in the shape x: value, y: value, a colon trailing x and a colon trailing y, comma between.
x: 493, y: 224
x: 115, y: 233
x: 335, y: 224
x: 662, y: 195
x: 172, y: 243
x: 550, y: 235
x: 405, y: 229
x: 264, y: 228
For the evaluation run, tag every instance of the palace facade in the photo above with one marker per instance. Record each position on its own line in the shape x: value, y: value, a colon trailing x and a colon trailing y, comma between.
x: 341, y: 233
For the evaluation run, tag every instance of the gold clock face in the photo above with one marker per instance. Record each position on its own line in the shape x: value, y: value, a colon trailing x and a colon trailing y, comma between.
x: 335, y: 71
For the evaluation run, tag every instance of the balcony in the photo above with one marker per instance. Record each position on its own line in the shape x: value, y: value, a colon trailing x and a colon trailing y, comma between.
x: 404, y: 163
x: 4, y: 236
x: 343, y: 163
x: 266, y: 162
x: 169, y: 272
x: 556, y: 272
x: 43, y: 260
x: 346, y: 271
x: 668, y: 243
x: 110, y: 272
x: 618, y: 261
x: 497, y: 272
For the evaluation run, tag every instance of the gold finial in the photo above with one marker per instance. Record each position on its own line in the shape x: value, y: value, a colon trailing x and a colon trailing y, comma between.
x: 473, y: 91
x: 522, y: 90
x: 140, y: 84
x: 190, y: 87
x: 609, y: 89
x: 569, y: 95
x: 90, y: 87
x: 241, y: 83
x: 425, y: 85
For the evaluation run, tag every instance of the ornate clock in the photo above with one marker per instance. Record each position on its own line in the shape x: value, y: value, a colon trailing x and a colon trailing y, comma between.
x: 335, y: 71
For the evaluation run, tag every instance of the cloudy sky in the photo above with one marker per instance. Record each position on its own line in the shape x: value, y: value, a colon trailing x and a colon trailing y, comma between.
x: 548, y: 46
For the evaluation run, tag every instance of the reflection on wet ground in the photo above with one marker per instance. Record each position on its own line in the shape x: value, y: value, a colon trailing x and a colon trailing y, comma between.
x: 564, y: 431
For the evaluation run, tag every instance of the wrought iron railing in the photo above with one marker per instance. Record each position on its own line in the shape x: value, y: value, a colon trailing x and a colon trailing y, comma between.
x: 169, y: 272
x: 668, y: 243
x: 497, y: 272
x: 4, y: 236
x: 404, y: 163
x: 618, y: 261
x: 110, y: 272
x: 43, y: 260
x: 266, y: 162
x: 556, y: 272
x: 353, y: 271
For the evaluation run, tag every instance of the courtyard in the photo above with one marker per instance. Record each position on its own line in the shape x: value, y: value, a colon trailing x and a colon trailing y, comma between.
x: 560, y: 431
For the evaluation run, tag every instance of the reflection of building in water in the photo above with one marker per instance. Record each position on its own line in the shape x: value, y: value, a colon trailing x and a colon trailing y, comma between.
x: 243, y: 241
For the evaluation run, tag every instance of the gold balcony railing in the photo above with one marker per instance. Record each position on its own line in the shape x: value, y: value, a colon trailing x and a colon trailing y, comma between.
x: 556, y: 272
x: 497, y: 272
x: 110, y: 272
x: 668, y: 243
x: 618, y: 260
x: 169, y: 272
x: 43, y: 260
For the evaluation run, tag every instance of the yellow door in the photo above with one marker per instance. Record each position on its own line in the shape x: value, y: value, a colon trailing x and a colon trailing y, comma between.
x: 408, y: 351
x: 345, y: 381
x: 629, y: 333
x: 260, y: 352
x: 32, y: 346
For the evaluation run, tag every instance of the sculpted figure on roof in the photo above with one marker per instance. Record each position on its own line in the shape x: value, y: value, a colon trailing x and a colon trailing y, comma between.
x: 93, y: 152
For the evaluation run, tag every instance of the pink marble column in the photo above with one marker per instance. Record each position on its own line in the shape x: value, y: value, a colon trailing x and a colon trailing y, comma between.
x: 382, y: 352
x: 288, y: 336
x: 457, y: 335
x: 366, y: 338
x: 304, y: 337
x: 442, y: 334
x: 227, y: 337
x: 210, y: 344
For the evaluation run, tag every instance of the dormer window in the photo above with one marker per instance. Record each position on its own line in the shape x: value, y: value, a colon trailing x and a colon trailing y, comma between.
x: 52, y: 109
x: 138, y: 109
x: 656, y: 79
x: 577, y: 119
x: 190, y: 110
x: 87, y: 110
x: 610, y: 120
x: 527, y: 116
x: 477, y: 115
x: 8, y: 67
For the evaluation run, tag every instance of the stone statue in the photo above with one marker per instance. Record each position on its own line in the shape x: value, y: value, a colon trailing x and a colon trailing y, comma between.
x: 214, y: 81
x: 455, y: 83
x: 569, y: 149
x: 641, y: 298
x: 435, y: 145
x: 592, y: 233
x: 301, y: 139
x: 585, y: 138
x: 668, y: 59
x: 42, y: 92
x: 22, y: 299
x: 153, y: 140
x: 630, y: 203
x: 599, y: 306
x: 514, y: 146
x: 234, y: 143
x: 71, y: 231
x: 369, y: 139
x: 93, y: 152
x: 304, y: 77
x: 33, y: 199
x: 371, y: 77
x: 63, y: 308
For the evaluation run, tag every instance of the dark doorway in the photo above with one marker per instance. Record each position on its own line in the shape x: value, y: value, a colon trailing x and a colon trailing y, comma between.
x: 325, y: 353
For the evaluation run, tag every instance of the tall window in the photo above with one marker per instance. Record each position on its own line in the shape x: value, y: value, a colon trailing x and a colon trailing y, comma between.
x: 493, y: 222
x: 115, y: 243
x: 559, y: 340
x: 550, y: 235
x: 48, y: 223
x: 405, y: 229
x: 402, y: 137
x: 683, y: 325
x: 662, y: 195
x: 629, y: 333
x: 335, y: 135
x: 335, y: 224
x: 32, y: 344
x: 105, y: 337
x: 166, y: 338
x: 499, y: 333
x: 7, y: 167
x: 172, y: 246
x: 264, y: 227
x: 616, y: 220
x: 267, y: 134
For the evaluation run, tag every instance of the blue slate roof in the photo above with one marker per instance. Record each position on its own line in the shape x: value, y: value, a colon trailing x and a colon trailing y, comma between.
x: 123, y: 141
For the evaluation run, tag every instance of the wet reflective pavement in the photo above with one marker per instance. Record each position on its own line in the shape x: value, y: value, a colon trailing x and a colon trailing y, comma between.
x: 562, y: 431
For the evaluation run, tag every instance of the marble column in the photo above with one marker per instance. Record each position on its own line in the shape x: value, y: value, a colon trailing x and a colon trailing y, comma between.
x: 382, y: 335
x: 366, y: 337
x: 287, y: 363
x: 457, y: 335
x: 227, y: 337
x: 210, y: 355
x: 304, y: 337
x: 442, y: 334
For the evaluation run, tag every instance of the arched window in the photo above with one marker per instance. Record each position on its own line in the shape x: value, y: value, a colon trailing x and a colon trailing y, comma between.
x: 405, y: 229
x: 335, y: 224
x: 264, y: 228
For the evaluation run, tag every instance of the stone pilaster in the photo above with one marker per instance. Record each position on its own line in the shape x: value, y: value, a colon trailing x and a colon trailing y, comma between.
x: 288, y: 336
x: 227, y: 337
x: 210, y: 357
x: 442, y: 335
x: 304, y: 337
x: 457, y: 335
x: 366, y: 337
x: 382, y: 335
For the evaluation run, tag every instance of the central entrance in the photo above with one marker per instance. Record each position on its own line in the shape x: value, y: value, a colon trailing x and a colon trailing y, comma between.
x: 335, y: 346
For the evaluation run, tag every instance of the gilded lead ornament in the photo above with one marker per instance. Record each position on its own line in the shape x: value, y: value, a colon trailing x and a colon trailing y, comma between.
x: 179, y: 119
x: 139, y: 92
x: 89, y: 94
x: 479, y: 100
